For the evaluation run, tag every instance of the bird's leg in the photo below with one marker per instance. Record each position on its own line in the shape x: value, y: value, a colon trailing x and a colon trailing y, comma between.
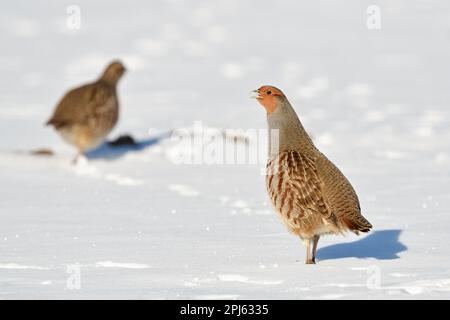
x: 75, y: 159
x: 314, y: 249
x: 309, y: 257
x: 79, y: 156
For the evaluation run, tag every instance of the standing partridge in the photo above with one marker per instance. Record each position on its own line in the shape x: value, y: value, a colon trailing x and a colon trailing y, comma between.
x: 86, y: 115
x: 307, y: 190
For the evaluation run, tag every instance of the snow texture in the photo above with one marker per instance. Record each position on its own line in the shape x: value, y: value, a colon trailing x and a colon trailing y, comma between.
x: 131, y: 223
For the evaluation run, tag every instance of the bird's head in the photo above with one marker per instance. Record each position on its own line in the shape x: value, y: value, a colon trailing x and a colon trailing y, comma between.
x: 269, y: 97
x: 114, y: 72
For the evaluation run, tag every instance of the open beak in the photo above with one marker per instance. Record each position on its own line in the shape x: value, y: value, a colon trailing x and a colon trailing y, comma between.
x: 255, y: 94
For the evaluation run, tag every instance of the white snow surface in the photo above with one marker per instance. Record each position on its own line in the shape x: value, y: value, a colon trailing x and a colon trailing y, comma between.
x: 136, y: 225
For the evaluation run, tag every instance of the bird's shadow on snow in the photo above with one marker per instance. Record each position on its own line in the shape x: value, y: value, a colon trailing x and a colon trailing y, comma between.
x: 111, y: 151
x: 381, y: 245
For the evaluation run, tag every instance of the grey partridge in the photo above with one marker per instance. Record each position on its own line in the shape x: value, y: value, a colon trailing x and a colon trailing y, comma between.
x: 309, y: 193
x: 87, y: 114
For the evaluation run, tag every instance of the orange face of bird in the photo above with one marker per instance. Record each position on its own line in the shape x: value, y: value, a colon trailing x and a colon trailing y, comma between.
x: 268, y: 96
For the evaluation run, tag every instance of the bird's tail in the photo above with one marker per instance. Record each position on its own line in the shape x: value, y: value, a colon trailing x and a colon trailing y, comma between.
x: 357, y: 224
x: 53, y: 122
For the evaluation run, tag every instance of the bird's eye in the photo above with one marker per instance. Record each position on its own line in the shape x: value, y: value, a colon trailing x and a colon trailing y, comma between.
x: 269, y: 92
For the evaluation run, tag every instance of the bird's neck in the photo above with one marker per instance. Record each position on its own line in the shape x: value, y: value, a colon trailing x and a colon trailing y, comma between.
x: 109, y: 79
x: 286, y: 132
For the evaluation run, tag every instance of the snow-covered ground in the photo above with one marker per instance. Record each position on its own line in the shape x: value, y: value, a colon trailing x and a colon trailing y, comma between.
x: 131, y: 223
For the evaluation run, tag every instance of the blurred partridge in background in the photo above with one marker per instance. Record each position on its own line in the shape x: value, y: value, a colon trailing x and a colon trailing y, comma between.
x: 307, y: 190
x: 87, y: 114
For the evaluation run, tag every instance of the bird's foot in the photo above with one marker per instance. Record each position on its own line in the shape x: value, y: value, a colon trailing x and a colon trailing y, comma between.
x: 79, y: 160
